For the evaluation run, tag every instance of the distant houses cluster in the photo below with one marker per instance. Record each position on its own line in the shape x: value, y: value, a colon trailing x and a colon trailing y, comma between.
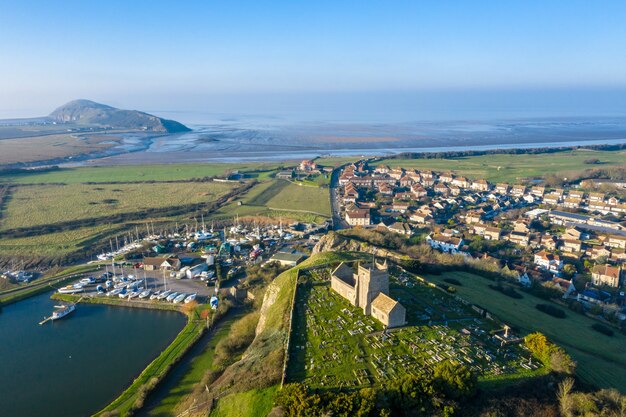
x: 557, y: 225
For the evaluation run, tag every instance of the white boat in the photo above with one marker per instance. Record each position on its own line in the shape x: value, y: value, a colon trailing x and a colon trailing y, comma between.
x: 155, y: 295
x: 134, y: 294
x: 123, y: 293
x: 62, y: 311
x: 164, y: 294
x: 145, y: 294
x: 71, y: 289
x: 114, y: 292
x: 171, y: 297
x: 179, y: 298
x: 190, y: 298
x: 88, y: 281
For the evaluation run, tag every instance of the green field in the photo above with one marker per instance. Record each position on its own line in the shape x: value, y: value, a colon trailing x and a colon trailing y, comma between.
x: 511, y: 168
x: 335, y: 345
x: 601, y: 359
x: 133, y: 173
x: 48, y: 204
x: 55, y: 244
x: 279, y: 197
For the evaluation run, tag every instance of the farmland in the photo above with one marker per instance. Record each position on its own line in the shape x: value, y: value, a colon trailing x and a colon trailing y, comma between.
x: 509, y: 167
x: 600, y: 358
x: 281, y: 198
x: 134, y: 173
x: 45, y: 204
x: 335, y: 345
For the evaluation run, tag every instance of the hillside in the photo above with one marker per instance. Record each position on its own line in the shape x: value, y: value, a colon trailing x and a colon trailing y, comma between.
x: 86, y: 112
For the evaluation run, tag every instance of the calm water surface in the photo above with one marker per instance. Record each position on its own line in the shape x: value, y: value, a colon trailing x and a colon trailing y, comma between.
x: 75, y: 366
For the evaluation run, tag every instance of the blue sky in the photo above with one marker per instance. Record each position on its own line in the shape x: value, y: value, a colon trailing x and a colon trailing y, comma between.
x: 192, y: 55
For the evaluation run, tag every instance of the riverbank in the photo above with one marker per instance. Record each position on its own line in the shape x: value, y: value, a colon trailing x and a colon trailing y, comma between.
x: 169, y: 398
x: 119, y: 302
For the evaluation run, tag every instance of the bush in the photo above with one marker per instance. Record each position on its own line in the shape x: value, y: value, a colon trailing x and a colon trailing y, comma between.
x: 551, y: 310
x: 601, y: 328
x: 506, y: 290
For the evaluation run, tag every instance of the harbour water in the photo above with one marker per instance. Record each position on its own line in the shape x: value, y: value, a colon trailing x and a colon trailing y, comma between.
x: 77, y: 365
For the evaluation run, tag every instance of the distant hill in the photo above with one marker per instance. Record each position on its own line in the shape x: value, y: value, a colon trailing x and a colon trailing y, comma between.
x: 86, y: 112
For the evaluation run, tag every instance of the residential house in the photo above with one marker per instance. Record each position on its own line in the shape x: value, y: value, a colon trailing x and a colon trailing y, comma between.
x: 548, y: 262
x: 606, y: 275
x: 358, y: 217
x: 519, y: 238
x: 400, y: 206
x: 480, y: 185
x: 401, y: 228
x: 538, y: 191
x: 451, y: 244
x: 421, y: 218
x: 616, y: 241
x: 502, y: 188
x: 571, y: 245
x: 518, y: 190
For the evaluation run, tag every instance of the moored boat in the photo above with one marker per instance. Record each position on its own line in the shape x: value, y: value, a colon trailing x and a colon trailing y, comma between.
x: 164, y: 294
x: 179, y: 298
x: 171, y: 297
x: 190, y: 298
x: 71, y: 289
x: 145, y: 294
x: 62, y: 311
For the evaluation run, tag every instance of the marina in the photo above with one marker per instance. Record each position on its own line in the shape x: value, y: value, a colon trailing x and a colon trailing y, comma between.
x: 83, y: 352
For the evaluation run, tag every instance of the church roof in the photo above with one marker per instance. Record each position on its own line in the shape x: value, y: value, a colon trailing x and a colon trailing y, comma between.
x: 344, y: 273
x: 384, y: 303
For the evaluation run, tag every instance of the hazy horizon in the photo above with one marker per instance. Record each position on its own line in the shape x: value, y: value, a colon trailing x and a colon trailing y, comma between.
x: 347, y: 60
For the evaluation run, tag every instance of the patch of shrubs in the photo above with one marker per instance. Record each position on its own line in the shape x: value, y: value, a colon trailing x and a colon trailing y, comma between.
x: 506, y: 290
x: 551, y: 310
x: 453, y: 281
x: 601, y: 328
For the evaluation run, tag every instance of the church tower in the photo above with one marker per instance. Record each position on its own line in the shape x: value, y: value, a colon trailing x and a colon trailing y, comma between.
x: 371, y: 280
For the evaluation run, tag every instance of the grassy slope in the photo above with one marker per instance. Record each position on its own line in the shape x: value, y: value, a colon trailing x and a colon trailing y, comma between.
x: 600, y: 358
x: 503, y: 168
x: 254, y: 403
x: 45, y: 204
x: 194, y: 372
x: 270, y: 337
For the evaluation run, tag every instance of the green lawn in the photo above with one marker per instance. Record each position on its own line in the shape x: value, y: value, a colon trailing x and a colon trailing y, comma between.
x: 601, y: 359
x: 510, y: 168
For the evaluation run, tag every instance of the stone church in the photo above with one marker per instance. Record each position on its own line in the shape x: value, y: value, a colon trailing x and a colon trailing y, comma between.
x: 368, y: 289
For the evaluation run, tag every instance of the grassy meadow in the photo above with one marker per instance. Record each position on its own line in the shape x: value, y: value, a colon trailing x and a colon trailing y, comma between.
x: 55, y: 244
x: 46, y: 204
x: 136, y: 173
x: 510, y: 168
x: 276, y: 198
x: 601, y: 359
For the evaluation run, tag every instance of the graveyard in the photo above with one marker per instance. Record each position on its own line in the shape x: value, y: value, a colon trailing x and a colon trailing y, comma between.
x: 334, y: 345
